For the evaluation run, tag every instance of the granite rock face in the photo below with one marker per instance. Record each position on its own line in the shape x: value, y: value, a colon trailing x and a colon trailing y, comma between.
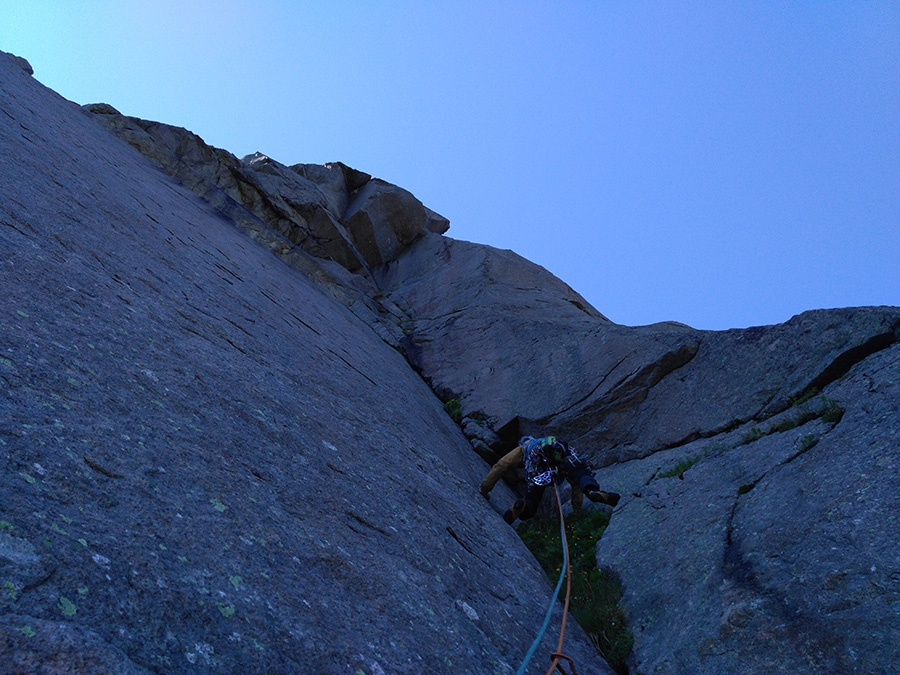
x: 733, y: 377
x: 216, y: 409
x: 757, y: 466
x: 770, y: 548
x: 333, y: 212
x: 518, y: 346
x: 331, y: 222
x: 207, y: 463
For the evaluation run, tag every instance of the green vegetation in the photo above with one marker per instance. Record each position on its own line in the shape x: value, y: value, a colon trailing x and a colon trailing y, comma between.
x: 754, y: 434
x: 595, y: 593
x: 226, y: 610
x: 454, y: 408
x: 829, y: 412
x: 798, y: 420
x: 681, y: 467
x: 805, y: 396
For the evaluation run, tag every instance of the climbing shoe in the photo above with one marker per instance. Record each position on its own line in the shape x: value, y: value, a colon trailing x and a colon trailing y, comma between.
x: 610, y: 498
x: 514, y: 511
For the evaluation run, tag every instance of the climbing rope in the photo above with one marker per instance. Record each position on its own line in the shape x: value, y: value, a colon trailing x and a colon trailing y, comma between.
x: 565, y: 573
x: 557, y: 655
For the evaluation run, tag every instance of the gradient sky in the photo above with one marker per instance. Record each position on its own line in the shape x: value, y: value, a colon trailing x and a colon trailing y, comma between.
x: 721, y: 164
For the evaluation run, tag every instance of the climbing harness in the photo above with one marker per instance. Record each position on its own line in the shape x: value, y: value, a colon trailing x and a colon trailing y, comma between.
x: 565, y: 573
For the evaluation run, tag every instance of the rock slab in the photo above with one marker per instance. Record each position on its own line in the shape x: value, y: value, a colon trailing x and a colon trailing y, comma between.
x: 207, y: 463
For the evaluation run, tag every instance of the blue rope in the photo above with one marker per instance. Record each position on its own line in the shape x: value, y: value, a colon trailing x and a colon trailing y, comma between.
x: 562, y: 575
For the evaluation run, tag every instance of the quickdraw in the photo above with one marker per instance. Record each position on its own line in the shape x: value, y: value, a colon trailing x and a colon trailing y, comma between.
x: 543, y: 479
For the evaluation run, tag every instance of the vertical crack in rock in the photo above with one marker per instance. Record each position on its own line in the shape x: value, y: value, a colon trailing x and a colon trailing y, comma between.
x: 772, y: 615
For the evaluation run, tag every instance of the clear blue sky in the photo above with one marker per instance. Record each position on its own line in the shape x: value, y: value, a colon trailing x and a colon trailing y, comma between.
x: 722, y: 164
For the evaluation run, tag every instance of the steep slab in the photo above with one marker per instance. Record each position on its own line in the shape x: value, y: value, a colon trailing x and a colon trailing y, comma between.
x: 208, y: 464
x: 505, y: 336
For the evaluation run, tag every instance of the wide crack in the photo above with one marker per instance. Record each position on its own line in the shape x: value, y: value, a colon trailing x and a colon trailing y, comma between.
x: 842, y: 364
x: 795, y: 624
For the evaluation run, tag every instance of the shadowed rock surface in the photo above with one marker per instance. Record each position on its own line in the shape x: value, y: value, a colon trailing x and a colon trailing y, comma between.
x: 210, y: 465
x: 780, y: 539
x: 193, y: 429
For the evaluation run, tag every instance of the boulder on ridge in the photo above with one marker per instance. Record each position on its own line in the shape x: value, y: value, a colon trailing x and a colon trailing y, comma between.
x: 382, y: 220
x: 331, y: 211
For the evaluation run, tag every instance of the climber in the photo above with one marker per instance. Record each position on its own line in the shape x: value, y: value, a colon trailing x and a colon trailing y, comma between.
x: 544, y: 458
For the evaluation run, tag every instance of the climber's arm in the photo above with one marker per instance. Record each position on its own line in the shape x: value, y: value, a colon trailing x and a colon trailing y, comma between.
x: 509, y: 461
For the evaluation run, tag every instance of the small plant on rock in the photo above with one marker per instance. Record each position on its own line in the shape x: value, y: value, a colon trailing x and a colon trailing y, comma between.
x: 789, y: 423
x: 805, y: 396
x: 754, y: 434
x: 682, y: 466
x: 807, y: 442
x: 831, y: 411
x: 454, y: 408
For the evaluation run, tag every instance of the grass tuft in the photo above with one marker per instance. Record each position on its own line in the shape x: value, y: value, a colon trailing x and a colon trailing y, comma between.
x: 805, y: 396
x: 681, y: 467
x: 829, y: 411
x: 754, y: 434
x: 454, y: 408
